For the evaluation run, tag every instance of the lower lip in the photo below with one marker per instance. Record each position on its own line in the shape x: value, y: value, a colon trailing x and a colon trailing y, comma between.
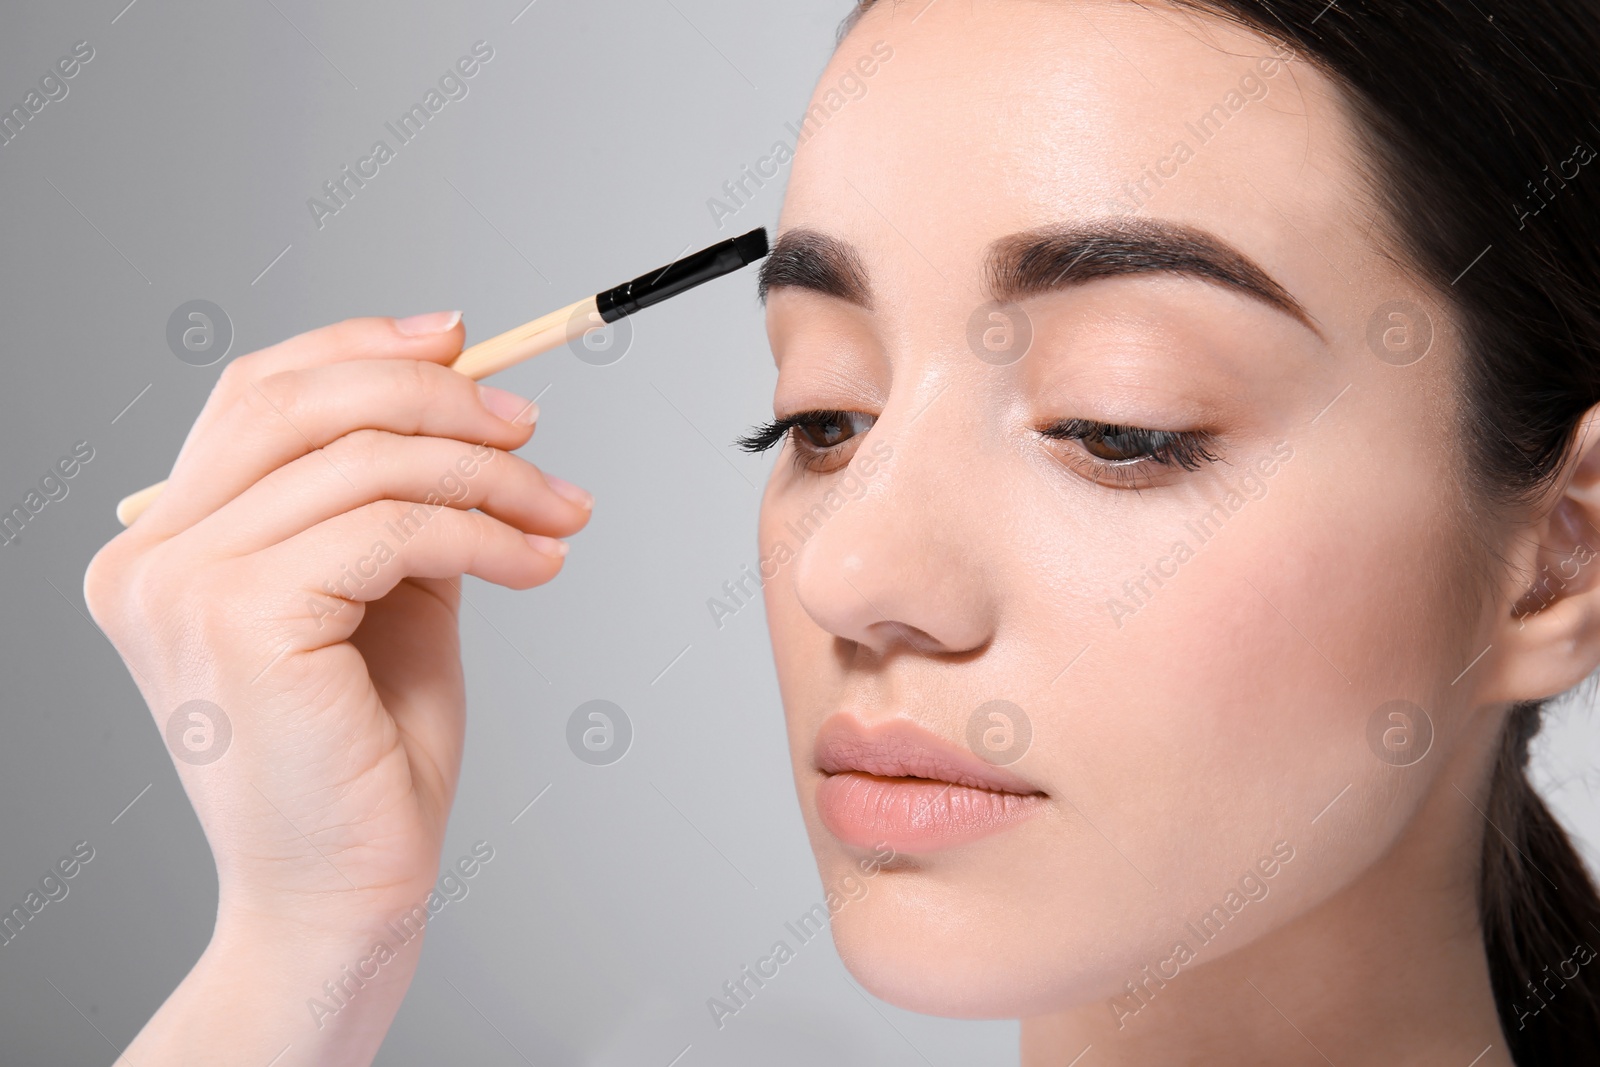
x: 915, y: 815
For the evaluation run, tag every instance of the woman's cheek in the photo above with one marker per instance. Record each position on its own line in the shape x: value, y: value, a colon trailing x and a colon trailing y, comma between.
x: 1244, y: 689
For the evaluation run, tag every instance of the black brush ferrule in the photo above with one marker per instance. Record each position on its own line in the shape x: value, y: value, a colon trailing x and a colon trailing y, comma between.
x: 695, y: 269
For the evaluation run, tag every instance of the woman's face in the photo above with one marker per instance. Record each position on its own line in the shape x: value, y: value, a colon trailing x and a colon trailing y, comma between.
x: 1151, y: 444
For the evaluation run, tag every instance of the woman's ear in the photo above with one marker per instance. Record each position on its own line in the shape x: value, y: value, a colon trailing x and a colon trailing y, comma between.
x: 1547, y: 638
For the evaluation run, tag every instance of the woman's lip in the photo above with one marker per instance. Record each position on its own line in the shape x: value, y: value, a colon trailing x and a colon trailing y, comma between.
x: 900, y: 748
x: 898, y: 785
x: 915, y: 815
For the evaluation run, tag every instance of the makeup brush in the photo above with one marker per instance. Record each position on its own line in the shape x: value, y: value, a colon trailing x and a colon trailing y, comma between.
x: 573, y: 321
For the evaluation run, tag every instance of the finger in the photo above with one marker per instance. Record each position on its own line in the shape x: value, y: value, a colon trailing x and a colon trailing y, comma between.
x: 434, y: 337
x: 294, y: 413
x: 359, y: 556
x: 372, y: 465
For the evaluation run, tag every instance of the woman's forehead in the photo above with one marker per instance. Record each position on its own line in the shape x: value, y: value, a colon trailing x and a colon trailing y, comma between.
x: 976, y: 120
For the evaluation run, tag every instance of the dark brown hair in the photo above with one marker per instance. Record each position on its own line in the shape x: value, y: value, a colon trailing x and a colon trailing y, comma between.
x: 1479, y: 117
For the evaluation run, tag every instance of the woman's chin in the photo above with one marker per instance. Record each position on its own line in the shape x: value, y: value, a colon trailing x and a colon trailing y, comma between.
x: 937, y: 963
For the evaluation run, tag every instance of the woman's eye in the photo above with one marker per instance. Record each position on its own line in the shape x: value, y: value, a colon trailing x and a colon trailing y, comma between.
x: 817, y: 436
x: 824, y: 429
x: 1119, y: 450
x: 1116, y: 445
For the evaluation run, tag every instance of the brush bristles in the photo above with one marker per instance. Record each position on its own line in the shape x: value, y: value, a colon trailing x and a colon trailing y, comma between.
x: 751, y: 246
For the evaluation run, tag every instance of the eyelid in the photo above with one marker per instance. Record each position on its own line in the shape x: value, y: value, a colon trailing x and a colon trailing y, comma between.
x: 1170, y: 452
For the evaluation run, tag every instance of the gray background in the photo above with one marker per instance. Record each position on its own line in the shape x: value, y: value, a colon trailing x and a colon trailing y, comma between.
x: 178, y: 167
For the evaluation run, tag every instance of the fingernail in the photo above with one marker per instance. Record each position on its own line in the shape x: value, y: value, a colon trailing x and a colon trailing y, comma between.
x: 432, y: 322
x: 581, y: 497
x: 548, y: 545
x: 509, y: 406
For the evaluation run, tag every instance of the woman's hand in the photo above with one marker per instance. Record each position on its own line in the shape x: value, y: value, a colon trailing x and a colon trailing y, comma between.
x: 301, y: 573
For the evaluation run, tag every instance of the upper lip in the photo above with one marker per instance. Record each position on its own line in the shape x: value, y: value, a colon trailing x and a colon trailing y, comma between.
x: 899, y: 748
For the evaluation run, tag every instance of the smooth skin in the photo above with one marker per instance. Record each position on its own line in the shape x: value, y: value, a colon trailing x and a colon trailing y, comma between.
x: 327, y: 812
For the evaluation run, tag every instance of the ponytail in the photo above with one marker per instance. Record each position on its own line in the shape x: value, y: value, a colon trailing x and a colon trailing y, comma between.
x: 1540, y: 915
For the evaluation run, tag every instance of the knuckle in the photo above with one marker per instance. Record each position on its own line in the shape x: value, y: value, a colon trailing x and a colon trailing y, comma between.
x: 415, y: 393
x: 276, y: 395
x: 123, y: 587
x: 148, y: 591
x: 457, y: 528
x: 359, y: 449
x: 406, y: 516
x: 236, y: 374
x: 137, y: 595
x: 435, y: 384
x: 477, y: 534
x: 103, y: 581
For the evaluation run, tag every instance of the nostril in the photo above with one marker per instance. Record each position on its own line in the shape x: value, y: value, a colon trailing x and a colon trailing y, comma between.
x: 910, y: 636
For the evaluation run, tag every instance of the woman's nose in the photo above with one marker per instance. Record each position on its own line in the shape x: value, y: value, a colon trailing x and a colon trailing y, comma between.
x: 901, y: 565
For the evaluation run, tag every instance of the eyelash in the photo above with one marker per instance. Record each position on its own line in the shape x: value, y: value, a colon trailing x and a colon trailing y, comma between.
x: 1187, y: 450
x: 807, y: 455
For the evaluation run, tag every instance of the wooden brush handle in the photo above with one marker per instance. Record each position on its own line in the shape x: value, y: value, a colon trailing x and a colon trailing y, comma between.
x: 528, y: 340
x: 479, y: 361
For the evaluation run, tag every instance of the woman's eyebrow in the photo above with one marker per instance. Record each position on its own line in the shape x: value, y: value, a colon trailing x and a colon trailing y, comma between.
x: 809, y: 259
x: 1043, y: 260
